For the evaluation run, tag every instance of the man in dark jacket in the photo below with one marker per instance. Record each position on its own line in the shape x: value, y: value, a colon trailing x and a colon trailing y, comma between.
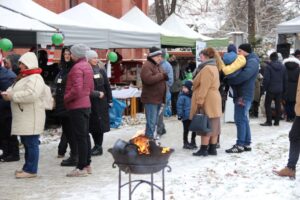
x: 154, y: 89
x: 244, y: 82
x: 79, y: 86
x: 274, y: 84
x: 9, y: 143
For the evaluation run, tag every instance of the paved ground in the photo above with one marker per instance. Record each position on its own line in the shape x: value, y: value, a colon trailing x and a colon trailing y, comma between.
x: 239, y: 176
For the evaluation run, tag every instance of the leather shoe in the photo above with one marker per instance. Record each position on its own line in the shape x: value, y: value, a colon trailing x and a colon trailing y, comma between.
x: 70, y: 162
x: 266, y: 124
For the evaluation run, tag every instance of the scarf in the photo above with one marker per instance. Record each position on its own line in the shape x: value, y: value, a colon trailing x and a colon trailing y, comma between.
x: 28, y: 72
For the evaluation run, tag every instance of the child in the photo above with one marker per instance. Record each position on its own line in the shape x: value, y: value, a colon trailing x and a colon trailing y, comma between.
x: 183, y: 112
x: 232, y: 62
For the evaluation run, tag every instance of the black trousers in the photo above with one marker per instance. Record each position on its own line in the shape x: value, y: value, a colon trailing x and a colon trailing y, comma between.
x: 174, y: 97
x: 289, y: 109
x: 277, y: 98
x: 67, y: 137
x: 294, y: 137
x: 9, y: 143
x: 80, y: 128
x: 97, y: 137
x: 186, y: 125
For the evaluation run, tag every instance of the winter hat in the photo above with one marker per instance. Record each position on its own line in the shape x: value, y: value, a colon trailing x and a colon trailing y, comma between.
x: 188, y: 84
x: 246, y: 47
x: 154, y: 51
x: 231, y: 48
x: 79, y: 50
x: 30, y: 60
x: 274, y: 56
x: 297, y: 53
x: 90, y: 54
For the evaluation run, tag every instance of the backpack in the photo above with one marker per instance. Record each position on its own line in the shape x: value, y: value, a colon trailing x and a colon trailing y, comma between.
x: 47, y: 99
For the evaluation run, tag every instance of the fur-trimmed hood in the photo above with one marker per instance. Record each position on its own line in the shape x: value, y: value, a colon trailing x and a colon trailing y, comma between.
x: 291, y: 59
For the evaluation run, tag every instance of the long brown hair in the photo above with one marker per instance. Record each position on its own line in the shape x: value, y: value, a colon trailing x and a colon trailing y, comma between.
x: 212, y: 53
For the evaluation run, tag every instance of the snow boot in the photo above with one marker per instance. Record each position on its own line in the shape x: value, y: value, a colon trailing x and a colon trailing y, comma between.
x: 212, y: 149
x: 202, y: 151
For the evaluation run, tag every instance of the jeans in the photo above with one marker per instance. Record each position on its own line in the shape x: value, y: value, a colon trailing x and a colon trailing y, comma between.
x: 80, y: 128
x: 242, y: 123
x: 31, y: 146
x: 294, y: 151
x: 152, y: 112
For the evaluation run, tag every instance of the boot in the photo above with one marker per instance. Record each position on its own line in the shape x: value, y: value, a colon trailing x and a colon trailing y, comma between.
x: 202, y: 151
x: 212, y: 149
x: 186, y: 145
x: 69, y: 162
x: 97, y: 150
x: 10, y: 158
x: 286, y: 172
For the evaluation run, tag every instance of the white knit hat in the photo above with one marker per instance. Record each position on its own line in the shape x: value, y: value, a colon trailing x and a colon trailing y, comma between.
x: 79, y: 50
x: 90, y: 54
x: 30, y: 60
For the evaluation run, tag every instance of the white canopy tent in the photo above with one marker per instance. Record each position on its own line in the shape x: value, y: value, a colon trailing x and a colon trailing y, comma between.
x: 177, y: 25
x: 73, y: 31
x: 10, y: 20
x: 291, y: 26
x: 168, y: 38
x: 121, y: 34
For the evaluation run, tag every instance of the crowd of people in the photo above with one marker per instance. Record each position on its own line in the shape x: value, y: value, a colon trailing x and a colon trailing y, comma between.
x: 82, y: 96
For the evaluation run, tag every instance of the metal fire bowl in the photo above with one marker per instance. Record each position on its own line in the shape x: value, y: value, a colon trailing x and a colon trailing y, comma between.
x: 140, y: 164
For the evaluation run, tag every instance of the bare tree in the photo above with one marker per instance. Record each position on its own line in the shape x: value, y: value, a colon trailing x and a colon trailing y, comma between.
x: 251, y: 21
x: 163, y: 9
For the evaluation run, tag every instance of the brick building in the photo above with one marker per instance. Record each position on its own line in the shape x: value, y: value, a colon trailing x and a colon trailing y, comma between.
x: 116, y: 8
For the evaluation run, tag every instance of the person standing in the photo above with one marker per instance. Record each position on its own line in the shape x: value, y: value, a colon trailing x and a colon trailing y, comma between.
x: 274, y: 85
x: 153, y: 89
x: 11, y: 63
x: 207, y: 99
x: 167, y: 67
x: 8, y: 143
x: 101, y: 99
x: 77, y: 101
x: 176, y: 87
x: 60, y: 111
x: 294, y: 137
x: 28, y: 111
x: 244, y: 84
x: 292, y: 66
x: 183, y: 114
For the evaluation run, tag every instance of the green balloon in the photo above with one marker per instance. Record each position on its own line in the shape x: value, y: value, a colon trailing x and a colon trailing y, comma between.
x: 112, y: 56
x: 6, y: 44
x: 167, y: 56
x: 57, y: 39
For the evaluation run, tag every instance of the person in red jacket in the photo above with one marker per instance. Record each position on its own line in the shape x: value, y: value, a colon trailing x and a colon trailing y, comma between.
x: 79, y: 86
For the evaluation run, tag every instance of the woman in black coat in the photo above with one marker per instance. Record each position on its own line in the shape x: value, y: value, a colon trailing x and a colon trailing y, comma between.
x: 101, y: 99
x: 292, y: 73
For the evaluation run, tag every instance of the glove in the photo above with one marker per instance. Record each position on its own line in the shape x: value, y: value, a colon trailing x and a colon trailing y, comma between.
x: 179, y: 118
x: 166, y: 78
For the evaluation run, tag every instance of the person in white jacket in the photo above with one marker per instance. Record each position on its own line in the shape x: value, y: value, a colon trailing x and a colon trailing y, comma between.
x: 28, y: 111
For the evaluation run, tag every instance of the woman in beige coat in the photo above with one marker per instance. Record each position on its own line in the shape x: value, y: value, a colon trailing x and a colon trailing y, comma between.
x: 206, y: 98
x: 28, y: 111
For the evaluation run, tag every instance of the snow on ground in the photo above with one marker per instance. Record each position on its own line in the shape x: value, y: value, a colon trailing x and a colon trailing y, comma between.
x: 226, y: 176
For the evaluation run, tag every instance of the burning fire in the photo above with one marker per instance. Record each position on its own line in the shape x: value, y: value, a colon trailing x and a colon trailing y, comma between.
x: 142, y: 142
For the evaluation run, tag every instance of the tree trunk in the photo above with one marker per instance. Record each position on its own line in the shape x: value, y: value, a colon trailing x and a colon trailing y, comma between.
x: 251, y: 22
x: 160, y: 11
x: 173, y: 7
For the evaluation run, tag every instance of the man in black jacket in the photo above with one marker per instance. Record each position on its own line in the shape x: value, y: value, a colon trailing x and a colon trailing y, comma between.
x: 274, y: 85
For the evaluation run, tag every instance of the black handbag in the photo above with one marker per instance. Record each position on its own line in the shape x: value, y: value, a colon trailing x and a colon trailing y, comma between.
x: 200, y: 124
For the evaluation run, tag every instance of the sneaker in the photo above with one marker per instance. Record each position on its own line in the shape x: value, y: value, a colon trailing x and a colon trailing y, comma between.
x: 25, y: 175
x: 97, y: 151
x: 193, y: 145
x: 77, y: 173
x: 70, y: 162
x: 235, y: 149
x: 286, y: 172
x: 88, y: 169
x: 247, y: 148
x: 18, y: 171
x: 187, y: 146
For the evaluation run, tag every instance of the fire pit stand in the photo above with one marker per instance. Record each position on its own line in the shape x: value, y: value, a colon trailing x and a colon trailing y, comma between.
x: 131, y: 187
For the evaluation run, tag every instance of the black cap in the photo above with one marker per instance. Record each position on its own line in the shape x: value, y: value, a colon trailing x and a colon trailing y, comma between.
x: 246, y: 47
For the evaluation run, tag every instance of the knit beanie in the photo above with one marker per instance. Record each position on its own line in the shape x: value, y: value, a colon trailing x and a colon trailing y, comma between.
x: 231, y: 48
x: 188, y: 84
x: 154, y: 51
x: 30, y: 60
x: 90, y: 54
x: 297, y: 53
x: 79, y: 50
x: 246, y: 47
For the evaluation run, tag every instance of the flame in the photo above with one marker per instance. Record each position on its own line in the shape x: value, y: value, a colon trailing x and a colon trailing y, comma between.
x: 142, y: 142
x: 165, y: 150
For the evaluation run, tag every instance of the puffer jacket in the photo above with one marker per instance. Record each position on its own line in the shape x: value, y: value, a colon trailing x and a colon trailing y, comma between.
x: 184, y: 105
x: 28, y: 111
x: 292, y: 66
x: 274, y: 77
x: 79, y: 86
